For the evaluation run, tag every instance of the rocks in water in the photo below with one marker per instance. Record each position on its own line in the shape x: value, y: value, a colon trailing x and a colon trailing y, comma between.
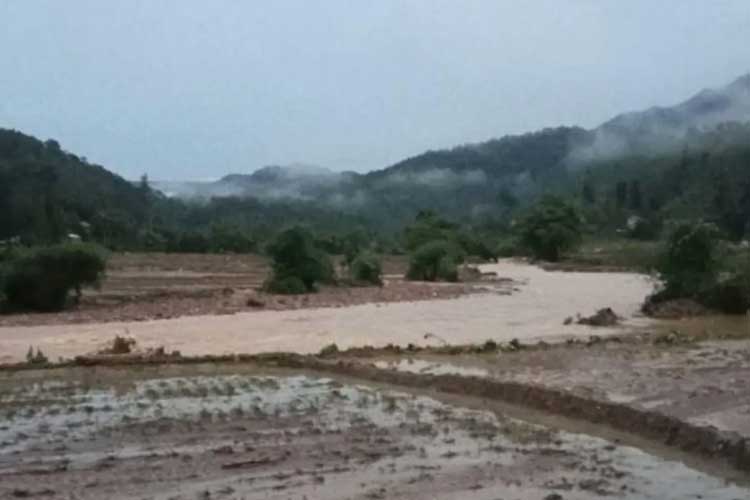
x: 603, y: 317
x: 255, y: 302
x: 675, y: 308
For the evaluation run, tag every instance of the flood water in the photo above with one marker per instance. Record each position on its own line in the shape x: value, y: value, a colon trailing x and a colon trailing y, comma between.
x: 535, y: 311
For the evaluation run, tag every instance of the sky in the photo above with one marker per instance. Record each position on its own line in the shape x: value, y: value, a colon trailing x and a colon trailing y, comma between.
x: 195, y: 89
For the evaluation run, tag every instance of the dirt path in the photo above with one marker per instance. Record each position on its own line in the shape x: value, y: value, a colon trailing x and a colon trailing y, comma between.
x: 536, y: 310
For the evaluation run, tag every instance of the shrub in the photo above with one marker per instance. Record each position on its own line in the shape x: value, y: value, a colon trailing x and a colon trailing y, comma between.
x: 42, y: 279
x: 644, y: 229
x: 329, y: 350
x: 435, y: 261
x: 474, y: 245
x: 296, y: 260
x: 550, y: 228
x: 366, y: 268
x: 731, y: 296
x: 428, y: 227
x: 509, y: 247
x: 288, y: 285
x: 688, y: 265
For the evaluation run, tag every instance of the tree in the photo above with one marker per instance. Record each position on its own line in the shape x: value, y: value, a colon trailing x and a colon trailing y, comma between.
x: 366, y: 268
x: 296, y: 260
x: 427, y: 227
x: 621, y: 194
x: 551, y: 227
x: 42, y: 279
x: 688, y: 265
x: 588, y: 193
x: 636, y: 202
x: 435, y: 261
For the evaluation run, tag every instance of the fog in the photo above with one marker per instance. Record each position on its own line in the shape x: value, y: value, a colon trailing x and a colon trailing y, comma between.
x: 185, y: 90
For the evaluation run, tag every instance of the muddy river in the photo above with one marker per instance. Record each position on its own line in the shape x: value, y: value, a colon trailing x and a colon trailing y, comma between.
x: 539, y: 303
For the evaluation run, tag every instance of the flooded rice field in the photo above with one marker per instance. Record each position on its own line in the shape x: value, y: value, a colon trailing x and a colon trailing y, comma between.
x: 706, y: 384
x: 199, y: 432
x: 525, y: 302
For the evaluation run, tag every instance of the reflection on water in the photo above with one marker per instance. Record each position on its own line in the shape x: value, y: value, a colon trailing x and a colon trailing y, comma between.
x: 536, y: 310
x: 424, y: 367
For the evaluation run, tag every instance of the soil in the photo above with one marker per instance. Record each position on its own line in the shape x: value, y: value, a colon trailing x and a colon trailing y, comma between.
x: 142, y: 287
x: 705, y: 383
x: 495, y: 423
x: 207, y: 432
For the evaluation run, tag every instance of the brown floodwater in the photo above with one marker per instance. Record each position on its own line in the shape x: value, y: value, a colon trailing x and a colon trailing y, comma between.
x: 541, y: 301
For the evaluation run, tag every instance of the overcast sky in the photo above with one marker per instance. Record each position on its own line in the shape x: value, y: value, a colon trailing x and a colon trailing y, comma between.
x: 194, y: 89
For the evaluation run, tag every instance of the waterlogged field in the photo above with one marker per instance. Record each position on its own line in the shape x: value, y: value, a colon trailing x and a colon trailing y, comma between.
x: 203, y: 432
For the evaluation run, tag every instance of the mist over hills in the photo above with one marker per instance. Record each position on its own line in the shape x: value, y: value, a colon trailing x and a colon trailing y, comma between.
x: 45, y: 190
x: 468, y: 180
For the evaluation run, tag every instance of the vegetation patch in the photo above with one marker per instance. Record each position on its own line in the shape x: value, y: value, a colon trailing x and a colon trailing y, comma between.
x: 41, y: 279
x: 298, y: 265
x: 435, y: 261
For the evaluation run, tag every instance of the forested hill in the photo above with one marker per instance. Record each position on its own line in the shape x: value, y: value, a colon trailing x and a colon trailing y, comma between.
x: 691, y: 156
x: 46, y: 192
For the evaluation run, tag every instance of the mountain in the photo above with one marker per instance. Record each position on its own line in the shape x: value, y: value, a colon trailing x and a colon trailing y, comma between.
x: 275, y: 182
x: 663, y: 129
x: 46, y: 192
x: 472, y: 179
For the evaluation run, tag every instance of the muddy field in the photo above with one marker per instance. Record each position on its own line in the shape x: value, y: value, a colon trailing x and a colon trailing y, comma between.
x: 147, y: 286
x: 208, y: 431
x: 705, y: 383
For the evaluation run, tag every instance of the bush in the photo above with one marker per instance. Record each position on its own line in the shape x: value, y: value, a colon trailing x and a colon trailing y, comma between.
x: 428, y: 227
x: 731, y: 296
x: 289, y: 285
x: 366, y: 268
x: 297, y: 260
x: 42, y: 279
x: 645, y: 230
x: 550, y: 228
x: 435, y: 261
x: 509, y: 247
x: 474, y: 245
x: 688, y: 265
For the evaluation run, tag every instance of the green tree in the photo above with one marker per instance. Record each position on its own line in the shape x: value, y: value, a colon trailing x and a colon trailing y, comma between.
x: 427, y: 227
x: 689, y: 265
x: 366, y: 268
x: 42, y: 279
x: 550, y: 228
x: 296, y: 259
x: 435, y: 261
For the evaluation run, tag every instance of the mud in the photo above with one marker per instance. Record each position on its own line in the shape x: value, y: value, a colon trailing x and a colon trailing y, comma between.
x: 244, y: 431
x: 522, y: 302
x: 143, y: 287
